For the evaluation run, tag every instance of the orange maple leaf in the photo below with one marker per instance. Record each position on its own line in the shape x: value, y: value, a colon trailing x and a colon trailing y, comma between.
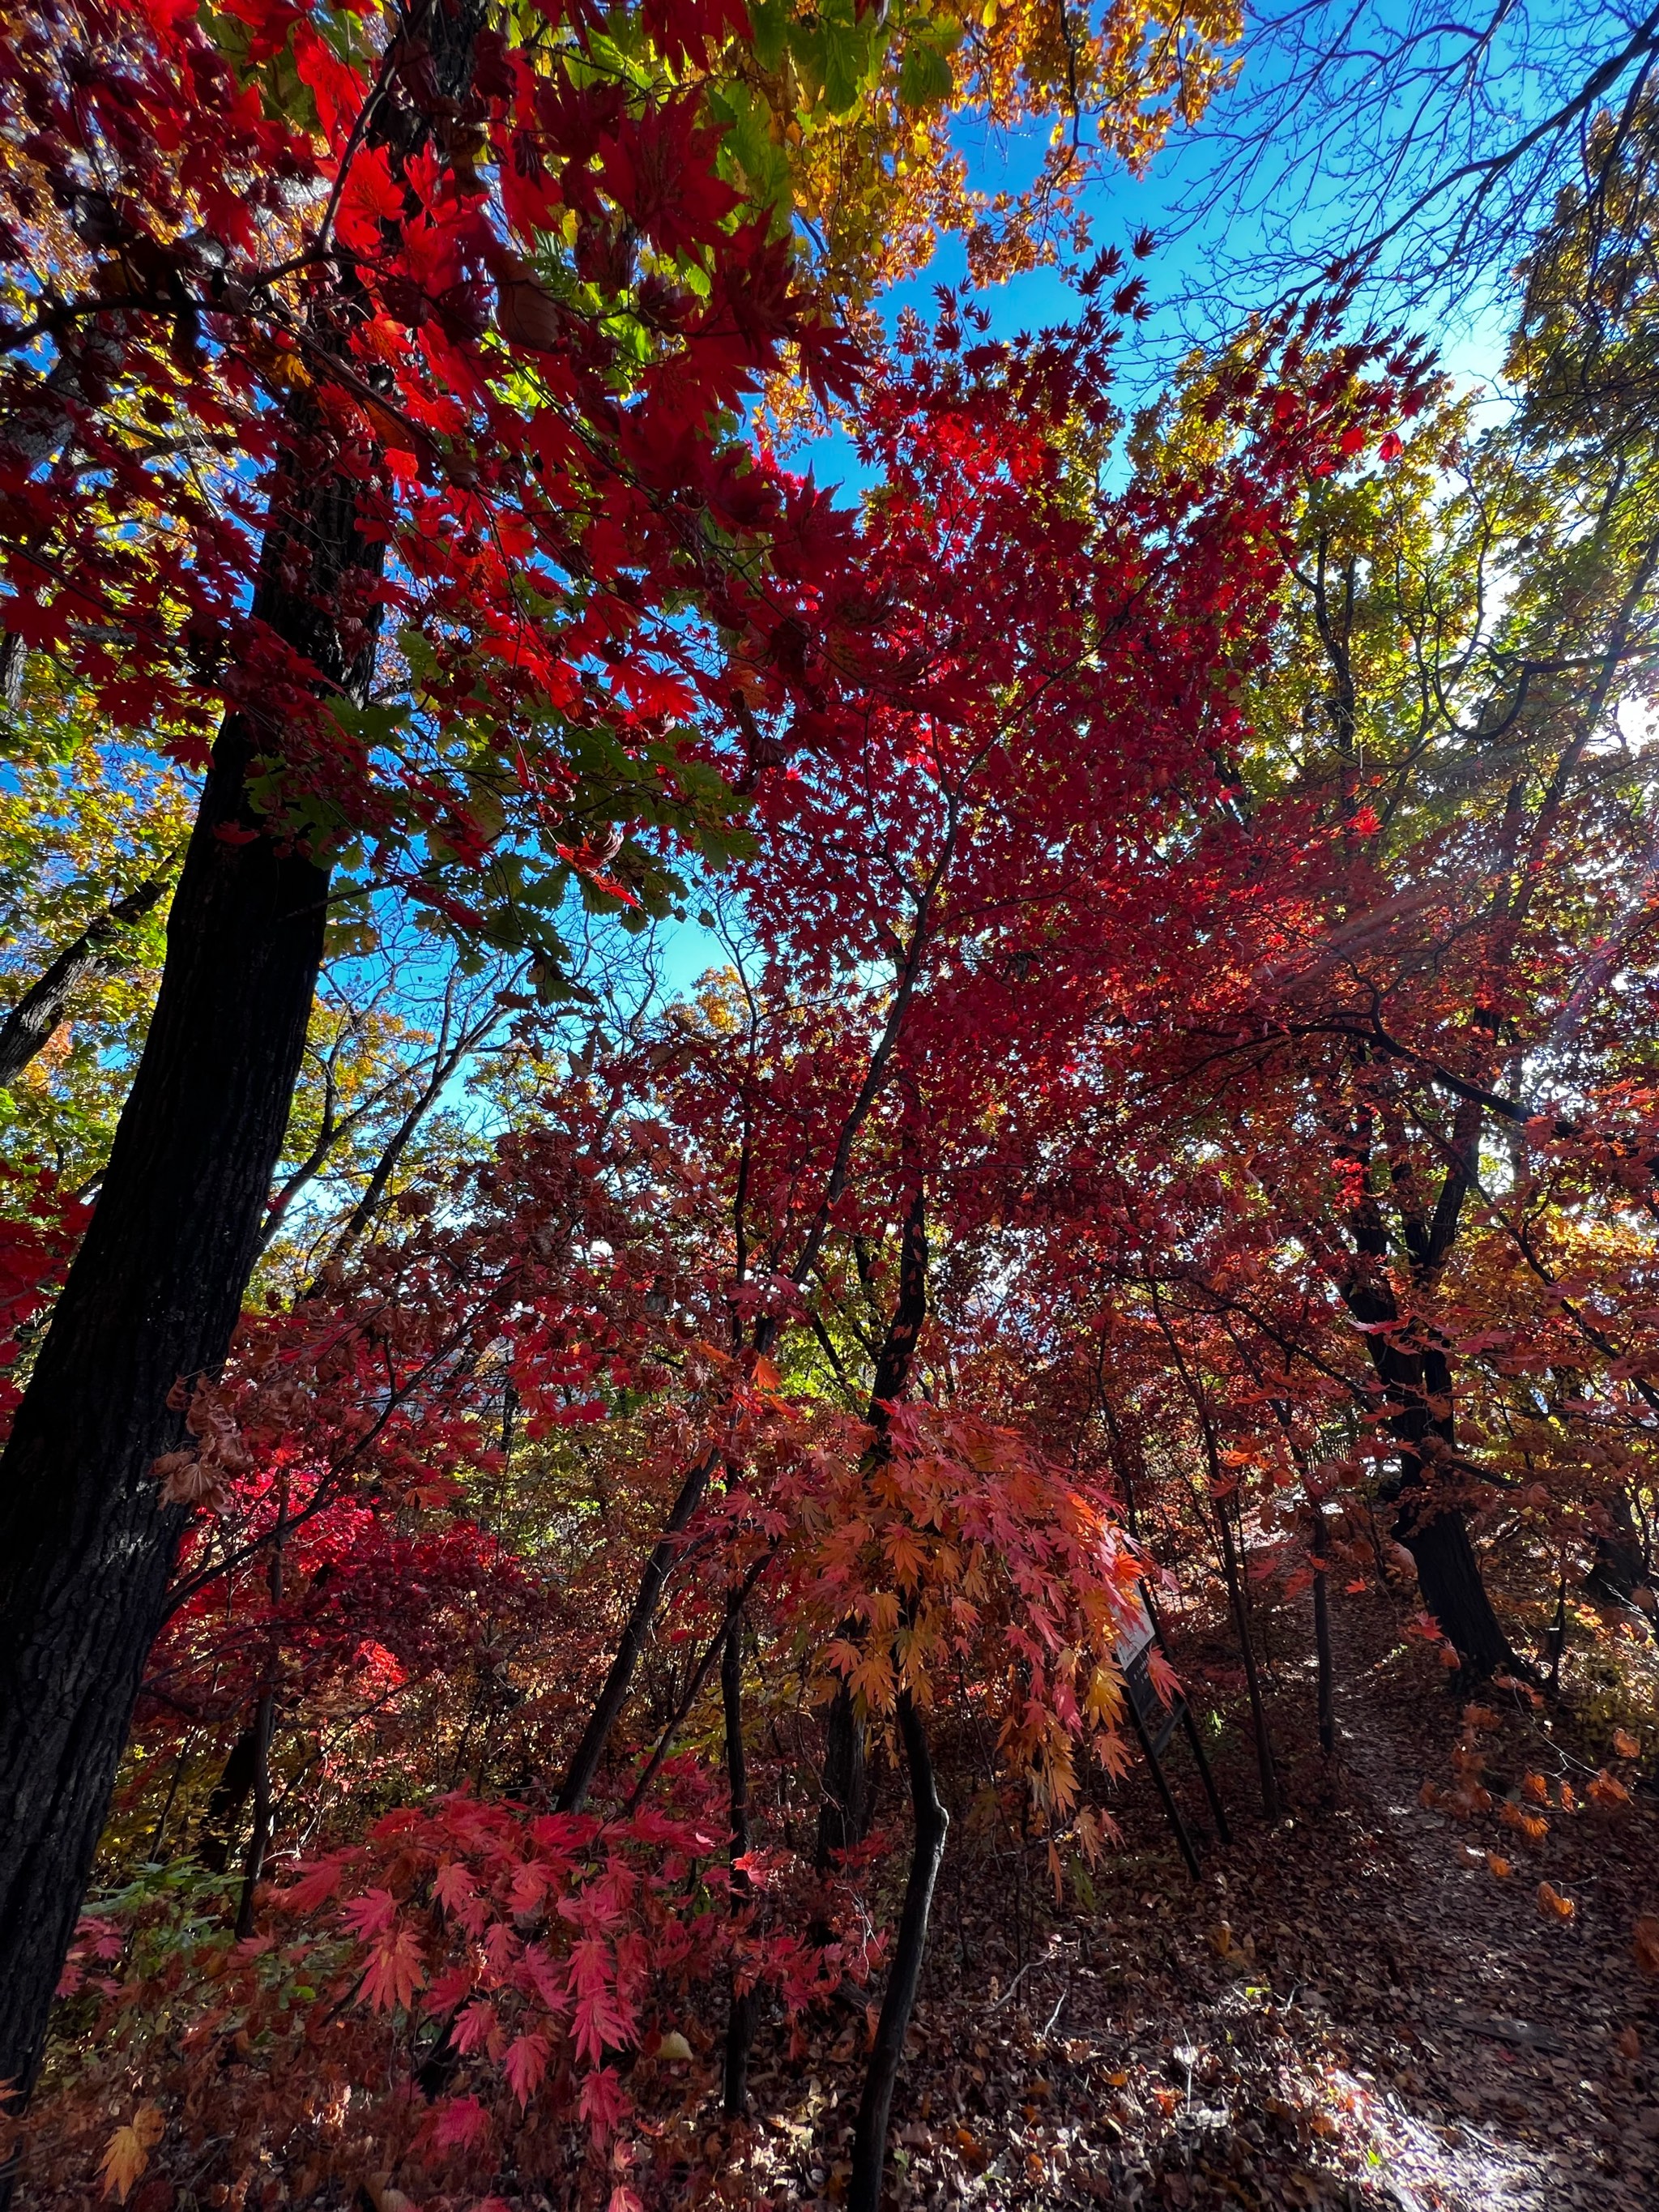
x: 1532, y: 1825
x: 127, y: 2151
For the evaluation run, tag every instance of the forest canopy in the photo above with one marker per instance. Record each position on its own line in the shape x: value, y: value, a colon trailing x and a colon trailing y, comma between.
x: 827, y: 1132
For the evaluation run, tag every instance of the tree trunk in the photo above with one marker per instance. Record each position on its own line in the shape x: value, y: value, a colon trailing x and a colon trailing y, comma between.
x: 1450, y: 1575
x: 153, y: 1296
x: 1266, y: 1771
x: 881, y: 2075
x: 740, y: 2009
x: 30, y: 1024
x: 225, y: 1802
x: 265, y: 1722
x: 1326, y: 1704
x: 844, y: 1813
x: 607, y: 1711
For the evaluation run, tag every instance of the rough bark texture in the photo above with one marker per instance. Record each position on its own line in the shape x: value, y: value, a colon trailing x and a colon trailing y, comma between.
x: 86, y: 1549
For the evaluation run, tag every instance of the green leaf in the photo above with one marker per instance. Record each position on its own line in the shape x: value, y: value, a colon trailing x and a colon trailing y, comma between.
x: 924, y: 76
x: 769, y: 19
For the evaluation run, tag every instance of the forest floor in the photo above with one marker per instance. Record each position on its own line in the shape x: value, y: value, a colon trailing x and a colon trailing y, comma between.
x: 1349, y: 2009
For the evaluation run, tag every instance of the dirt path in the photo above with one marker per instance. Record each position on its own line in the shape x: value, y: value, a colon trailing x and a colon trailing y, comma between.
x: 1346, y: 2013
x: 1512, y: 2093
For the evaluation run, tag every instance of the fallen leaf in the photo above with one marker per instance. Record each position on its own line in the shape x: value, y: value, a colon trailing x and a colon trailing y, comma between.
x: 1500, y: 1867
x: 1625, y: 1743
x: 1646, y: 1933
x: 1551, y: 1902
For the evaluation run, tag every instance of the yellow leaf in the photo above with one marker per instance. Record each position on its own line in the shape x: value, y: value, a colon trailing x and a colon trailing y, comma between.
x: 674, y: 2045
x: 127, y: 2151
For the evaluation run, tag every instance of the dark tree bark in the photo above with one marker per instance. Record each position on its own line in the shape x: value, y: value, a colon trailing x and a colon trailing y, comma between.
x: 1435, y: 1533
x: 1321, y: 1613
x: 1231, y: 1568
x: 740, y: 2005
x: 151, y: 1300
x: 844, y: 1812
x: 881, y: 2075
x: 843, y: 1815
x: 30, y: 1022
x: 1416, y: 1381
x: 607, y: 1711
x: 225, y: 1802
x: 86, y: 1548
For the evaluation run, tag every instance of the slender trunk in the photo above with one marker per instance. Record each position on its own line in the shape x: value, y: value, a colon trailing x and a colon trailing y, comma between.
x: 265, y: 1722
x: 224, y: 1805
x: 844, y: 1813
x: 740, y: 2006
x: 31, y: 1022
x: 1322, y: 1638
x: 1266, y: 1770
x: 881, y: 2075
x: 585, y: 1761
x: 1229, y: 1562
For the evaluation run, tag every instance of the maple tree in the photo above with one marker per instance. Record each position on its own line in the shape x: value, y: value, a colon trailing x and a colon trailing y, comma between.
x: 1176, y: 1124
